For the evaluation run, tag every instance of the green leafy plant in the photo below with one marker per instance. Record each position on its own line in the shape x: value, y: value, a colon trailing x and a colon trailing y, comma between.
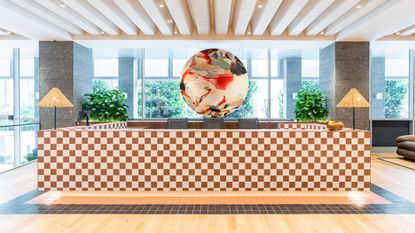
x: 310, y: 105
x: 106, y: 105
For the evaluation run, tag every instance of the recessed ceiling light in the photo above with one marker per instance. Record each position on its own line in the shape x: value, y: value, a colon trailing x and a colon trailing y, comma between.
x: 62, y: 5
x: 259, y: 6
x: 358, y: 6
x: 161, y: 5
x: 8, y: 33
x: 169, y: 21
x: 321, y: 33
x: 398, y: 33
x: 102, y: 32
x: 175, y: 32
x: 249, y: 32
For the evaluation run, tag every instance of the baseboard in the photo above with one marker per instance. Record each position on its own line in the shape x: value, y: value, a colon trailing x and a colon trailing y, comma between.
x: 383, y: 149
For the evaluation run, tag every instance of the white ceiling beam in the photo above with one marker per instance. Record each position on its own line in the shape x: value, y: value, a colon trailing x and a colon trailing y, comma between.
x: 408, y: 31
x: 48, y: 15
x: 309, y: 13
x: 375, y: 25
x: 201, y: 15
x: 89, y: 12
x: 25, y: 23
x: 352, y: 16
x: 243, y: 14
x: 222, y: 16
x: 158, y: 15
x: 285, y: 15
x: 115, y: 15
x: 263, y: 16
x: 337, y: 9
x: 138, y: 15
x: 70, y: 15
x: 179, y: 11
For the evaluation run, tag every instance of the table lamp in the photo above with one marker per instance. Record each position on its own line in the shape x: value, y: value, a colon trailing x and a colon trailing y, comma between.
x: 55, y: 99
x: 353, y: 99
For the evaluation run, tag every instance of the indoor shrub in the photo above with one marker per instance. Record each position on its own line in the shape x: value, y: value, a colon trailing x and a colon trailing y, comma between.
x: 310, y: 105
x: 106, y: 105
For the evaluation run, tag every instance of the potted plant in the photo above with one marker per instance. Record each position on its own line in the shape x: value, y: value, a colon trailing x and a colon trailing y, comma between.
x: 310, y: 105
x: 106, y: 105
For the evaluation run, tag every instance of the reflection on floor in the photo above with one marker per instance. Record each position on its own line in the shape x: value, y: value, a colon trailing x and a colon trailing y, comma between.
x: 388, y: 208
x: 208, y: 198
x: 374, y: 202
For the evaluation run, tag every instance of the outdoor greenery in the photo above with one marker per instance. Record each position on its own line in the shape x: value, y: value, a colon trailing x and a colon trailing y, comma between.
x: 310, y: 85
x: 31, y: 156
x: 394, y: 94
x: 106, y: 105
x: 310, y: 105
x: 163, y: 100
x: 247, y: 108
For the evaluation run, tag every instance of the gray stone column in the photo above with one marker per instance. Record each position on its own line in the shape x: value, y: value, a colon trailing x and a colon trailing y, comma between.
x: 127, y: 80
x: 67, y: 66
x: 378, y: 86
x: 345, y: 65
x: 290, y: 70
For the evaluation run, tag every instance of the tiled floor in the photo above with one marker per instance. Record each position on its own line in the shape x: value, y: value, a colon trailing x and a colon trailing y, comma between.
x: 380, y: 202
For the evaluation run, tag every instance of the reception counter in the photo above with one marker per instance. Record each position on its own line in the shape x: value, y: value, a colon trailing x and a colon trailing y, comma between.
x: 113, y: 157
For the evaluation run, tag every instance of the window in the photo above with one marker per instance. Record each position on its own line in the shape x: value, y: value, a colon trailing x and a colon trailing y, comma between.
x: 277, y: 87
x: 28, y: 95
x: 105, y: 68
x: 158, y: 80
x: 6, y: 84
x: 390, y: 84
x: 161, y: 91
x: 156, y: 63
x: 22, y: 136
x: 310, y: 69
x: 105, y: 74
x: 259, y: 63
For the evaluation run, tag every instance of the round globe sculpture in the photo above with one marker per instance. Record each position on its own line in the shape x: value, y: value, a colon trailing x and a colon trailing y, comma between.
x: 214, y: 83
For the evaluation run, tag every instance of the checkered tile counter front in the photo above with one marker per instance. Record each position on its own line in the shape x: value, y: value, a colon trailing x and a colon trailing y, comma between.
x: 204, y: 160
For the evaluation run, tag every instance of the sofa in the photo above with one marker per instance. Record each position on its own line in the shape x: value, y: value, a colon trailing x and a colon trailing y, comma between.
x: 406, y: 146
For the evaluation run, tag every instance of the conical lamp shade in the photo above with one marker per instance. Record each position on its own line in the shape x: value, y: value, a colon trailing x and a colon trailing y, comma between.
x: 55, y: 98
x: 353, y: 99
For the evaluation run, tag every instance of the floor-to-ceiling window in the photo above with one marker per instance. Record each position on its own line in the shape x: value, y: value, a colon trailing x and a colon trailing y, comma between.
x: 390, y: 75
x: 18, y: 111
x: 105, y: 73
x: 159, y: 71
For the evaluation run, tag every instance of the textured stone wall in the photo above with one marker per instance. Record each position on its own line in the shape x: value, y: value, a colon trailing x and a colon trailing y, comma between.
x: 346, y: 65
x: 67, y: 66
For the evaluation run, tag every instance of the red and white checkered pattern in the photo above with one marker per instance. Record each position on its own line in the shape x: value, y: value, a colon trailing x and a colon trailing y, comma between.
x: 204, y: 160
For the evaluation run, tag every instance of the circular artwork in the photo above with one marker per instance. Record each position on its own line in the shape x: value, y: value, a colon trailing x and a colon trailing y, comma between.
x: 214, y: 83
